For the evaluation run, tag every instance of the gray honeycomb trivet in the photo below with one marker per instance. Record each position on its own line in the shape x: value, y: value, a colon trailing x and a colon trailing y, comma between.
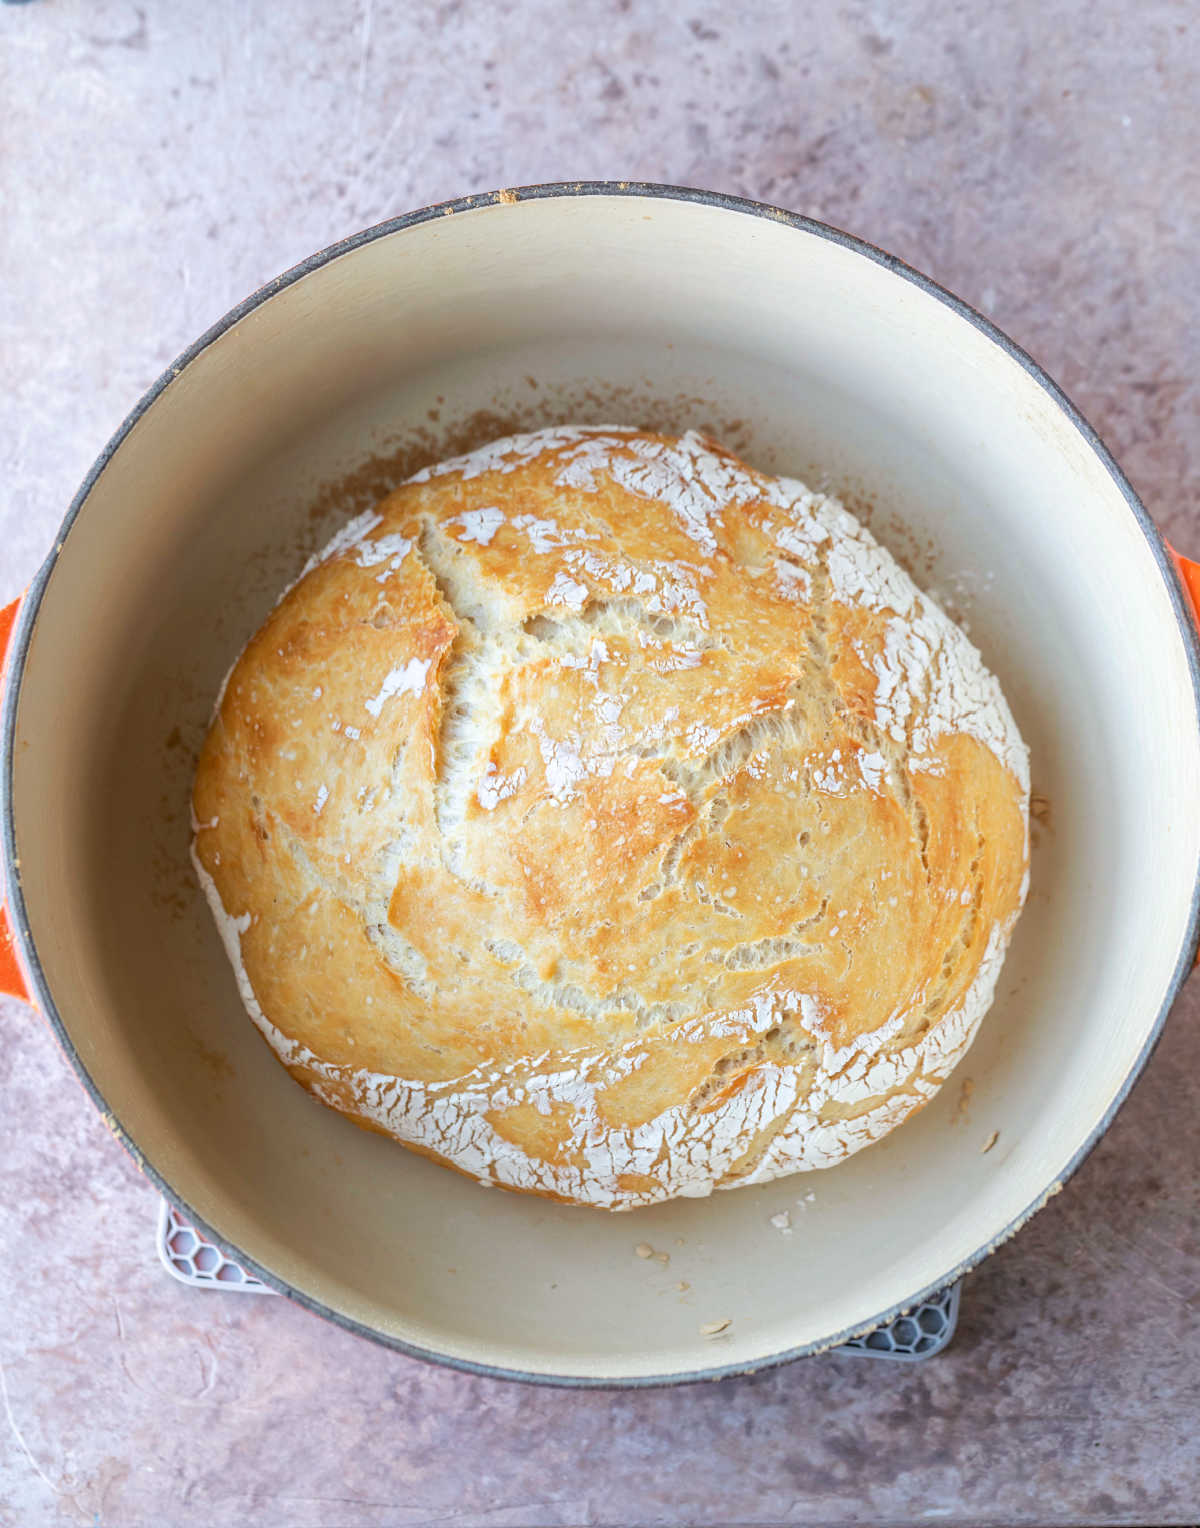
x: 186, y: 1256
x: 919, y: 1334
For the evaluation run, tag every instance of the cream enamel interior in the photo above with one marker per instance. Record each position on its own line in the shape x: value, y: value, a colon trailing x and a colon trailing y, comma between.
x: 662, y: 313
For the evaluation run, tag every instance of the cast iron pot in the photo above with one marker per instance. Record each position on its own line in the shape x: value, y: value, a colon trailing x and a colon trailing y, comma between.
x: 813, y: 354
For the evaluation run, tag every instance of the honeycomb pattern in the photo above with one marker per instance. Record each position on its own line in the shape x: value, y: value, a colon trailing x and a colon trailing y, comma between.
x: 189, y: 1258
x: 918, y: 1334
x: 186, y: 1256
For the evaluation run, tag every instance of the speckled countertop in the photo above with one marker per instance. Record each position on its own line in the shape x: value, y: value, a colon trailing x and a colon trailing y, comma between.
x: 157, y: 162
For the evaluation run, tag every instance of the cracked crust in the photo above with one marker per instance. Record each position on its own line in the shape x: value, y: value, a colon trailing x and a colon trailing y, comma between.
x: 612, y: 822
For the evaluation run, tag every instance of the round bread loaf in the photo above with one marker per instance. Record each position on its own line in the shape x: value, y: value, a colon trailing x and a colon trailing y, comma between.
x: 610, y: 821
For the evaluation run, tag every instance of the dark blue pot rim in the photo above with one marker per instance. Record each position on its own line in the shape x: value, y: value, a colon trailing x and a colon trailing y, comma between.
x: 31, y: 604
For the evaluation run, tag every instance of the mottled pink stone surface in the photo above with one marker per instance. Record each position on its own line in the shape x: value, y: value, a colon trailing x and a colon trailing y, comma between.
x: 157, y: 162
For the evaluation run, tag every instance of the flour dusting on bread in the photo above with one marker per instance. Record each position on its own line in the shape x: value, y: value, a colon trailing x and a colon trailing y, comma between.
x: 613, y: 822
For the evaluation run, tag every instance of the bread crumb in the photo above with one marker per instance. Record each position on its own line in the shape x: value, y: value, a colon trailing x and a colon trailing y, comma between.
x: 713, y: 1328
x: 683, y: 1286
x: 782, y: 1221
x: 989, y: 1143
x: 964, y: 1099
x: 644, y: 1249
x: 662, y: 1257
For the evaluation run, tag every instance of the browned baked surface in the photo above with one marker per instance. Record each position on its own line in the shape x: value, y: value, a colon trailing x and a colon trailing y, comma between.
x: 612, y: 822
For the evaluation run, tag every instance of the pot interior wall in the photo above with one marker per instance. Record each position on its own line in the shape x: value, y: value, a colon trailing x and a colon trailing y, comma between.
x: 811, y: 359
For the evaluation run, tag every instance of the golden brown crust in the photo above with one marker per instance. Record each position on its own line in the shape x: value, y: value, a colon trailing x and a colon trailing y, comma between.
x: 613, y: 822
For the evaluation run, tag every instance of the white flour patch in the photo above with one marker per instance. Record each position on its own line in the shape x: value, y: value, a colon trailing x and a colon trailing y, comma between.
x: 391, y: 550
x: 509, y: 453
x: 873, y: 769
x: 480, y: 525
x: 565, y: 591
x: 400, y: 681
x: 348, y: 537
x: 793, y: 582
x: 494, y: 787
x: 564, y: 767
